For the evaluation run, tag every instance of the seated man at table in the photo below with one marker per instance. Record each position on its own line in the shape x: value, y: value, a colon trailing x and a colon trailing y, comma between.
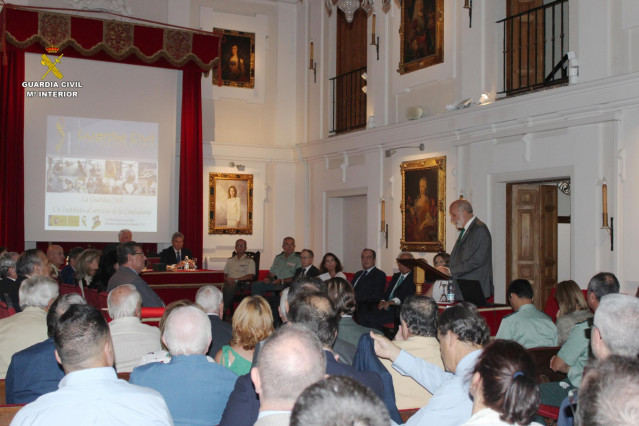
x: 527, y: 326
x: 176, y: 254
x: 282, y: 271
x: 240, y: 267
x: 131, y: 259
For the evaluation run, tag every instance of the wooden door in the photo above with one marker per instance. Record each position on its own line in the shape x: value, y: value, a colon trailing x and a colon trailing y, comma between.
x: 531, y: 245
x: 351, y: 51
x: 524, y: 44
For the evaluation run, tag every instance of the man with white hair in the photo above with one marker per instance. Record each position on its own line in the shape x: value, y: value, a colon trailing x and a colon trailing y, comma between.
x: 195, y: 389
x: 55, y: 257
x: 291, y: 360
x: 210, y: 299
x: 124, y: 236
x: 30, y: 263
x: 28, y: 327
x: 131, y: 339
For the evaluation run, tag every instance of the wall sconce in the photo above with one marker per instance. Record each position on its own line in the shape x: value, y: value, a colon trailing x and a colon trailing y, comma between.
x: 604, y: 215
x: 312, y: 65
x: 375, y: 40
x: 389, y: 152
x: 364, y: 77
x: 239, y: 167
x: 468, y: 4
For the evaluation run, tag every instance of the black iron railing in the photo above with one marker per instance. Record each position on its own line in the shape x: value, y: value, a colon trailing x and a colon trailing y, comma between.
x: 534, y: 48
x: 349, y: 101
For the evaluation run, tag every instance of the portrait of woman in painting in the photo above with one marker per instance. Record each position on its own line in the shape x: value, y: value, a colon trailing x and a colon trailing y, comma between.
x: 421, y: 214
x: 232, y: 208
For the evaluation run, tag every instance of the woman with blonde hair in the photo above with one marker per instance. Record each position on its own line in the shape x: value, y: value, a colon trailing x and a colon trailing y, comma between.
x: 252, y: 322
x: 87, y: 265
x: 572, y: 309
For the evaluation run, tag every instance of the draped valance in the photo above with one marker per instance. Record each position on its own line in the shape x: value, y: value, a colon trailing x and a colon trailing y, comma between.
x: 115, y: 40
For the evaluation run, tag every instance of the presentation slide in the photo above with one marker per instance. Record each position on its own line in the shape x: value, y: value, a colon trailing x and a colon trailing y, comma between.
x: 90, y: 187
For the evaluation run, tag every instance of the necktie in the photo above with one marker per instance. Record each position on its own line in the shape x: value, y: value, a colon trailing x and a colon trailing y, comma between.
x: 179, y: 256
x: 461, y: 234
x: 399, y: 282
x: 360, y: 277
x: 303, y: 272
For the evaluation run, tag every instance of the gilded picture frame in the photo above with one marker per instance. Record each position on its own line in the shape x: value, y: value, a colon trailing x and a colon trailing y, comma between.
x: 230, y: 212
x: 421, y: 35
x: 423, y: 205
x: 237, y: 58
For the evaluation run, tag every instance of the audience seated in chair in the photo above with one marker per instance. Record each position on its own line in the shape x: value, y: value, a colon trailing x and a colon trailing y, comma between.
x: 195, y: 389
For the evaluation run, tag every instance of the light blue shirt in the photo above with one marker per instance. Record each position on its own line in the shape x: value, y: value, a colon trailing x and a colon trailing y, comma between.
x: 450, y: 403
x: 529, y: 327
x: 96, y: 396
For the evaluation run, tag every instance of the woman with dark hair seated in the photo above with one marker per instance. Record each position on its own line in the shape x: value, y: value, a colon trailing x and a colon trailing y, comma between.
x: 331, y: 267
x: 503, y: 386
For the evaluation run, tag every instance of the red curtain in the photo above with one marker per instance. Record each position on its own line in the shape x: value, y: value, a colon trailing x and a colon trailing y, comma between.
x: 11, y: 150
x: 190, y: 197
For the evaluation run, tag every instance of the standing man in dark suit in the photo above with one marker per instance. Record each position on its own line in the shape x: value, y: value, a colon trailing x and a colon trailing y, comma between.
x: 176, y: 254
x: 132, y: 260
x: 210, y: 299
x: 369, y: 283
x: 401, y: 286
x: 307, y: 269
x: 471, y: 258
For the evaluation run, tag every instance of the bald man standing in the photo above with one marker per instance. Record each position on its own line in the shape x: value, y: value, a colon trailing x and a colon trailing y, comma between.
x: 471, y: 258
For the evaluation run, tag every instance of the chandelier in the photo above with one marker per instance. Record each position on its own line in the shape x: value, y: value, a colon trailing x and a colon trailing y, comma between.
x: 349, y: 7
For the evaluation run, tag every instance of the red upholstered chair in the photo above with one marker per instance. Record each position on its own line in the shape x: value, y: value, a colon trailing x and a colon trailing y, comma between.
x: 6, y: 312
x: 548, y: 411
x: 69, y: 288
x: 151, y: 316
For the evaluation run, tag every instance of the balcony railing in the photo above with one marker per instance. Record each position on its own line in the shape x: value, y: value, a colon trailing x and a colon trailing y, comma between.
x: 534, y: 48
x: 349, y: 101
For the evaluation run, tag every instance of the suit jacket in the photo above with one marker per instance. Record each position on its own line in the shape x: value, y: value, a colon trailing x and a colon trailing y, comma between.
x: 371, y: 286
x: 472, y: 259
x: 33, y: 372
x: 195, y: 389
x: 67, y: 275
x: 168, y: 255
x: 125, y: 275
x: 405, y: 289
x: 312, y: 272
x: 221, y: 334
x: 10, y: 288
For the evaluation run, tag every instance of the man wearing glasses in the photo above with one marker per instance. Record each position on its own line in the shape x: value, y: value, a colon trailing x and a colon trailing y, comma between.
x: 131, y: 261
x: 307, y: 269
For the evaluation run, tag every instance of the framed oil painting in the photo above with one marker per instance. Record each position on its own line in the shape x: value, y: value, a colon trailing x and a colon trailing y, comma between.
x: 237, y: 58
x: 230, y: 203
x: 421, y: 34
x: 424, y: 205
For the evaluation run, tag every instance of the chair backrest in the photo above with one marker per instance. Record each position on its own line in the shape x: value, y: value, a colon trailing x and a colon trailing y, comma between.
x: 255, y: 255
x: 8, y: 412
x: 151, y: 316
x: 91, y: 296
x: 3, y: 392
x: 552, y: 307
x: 69, y: 288
x: 124, y: 376
x: 6, y: 312
x: 541, y: 357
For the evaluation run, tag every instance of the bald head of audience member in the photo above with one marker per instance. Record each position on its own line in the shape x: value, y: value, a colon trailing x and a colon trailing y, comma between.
x: 608, y: 393
x: 316, y: 312
x: 339, y: 401
x: 125, y: 235
x: 124, y: 301
x: 33, y: 262
x: 82, y: 339
x: 59, y: 306
x: 38, y: 291
x: 187, y: 331
x: 55, y: 255
x: 291, y: 360
x: 210, y: 298
x: 600, y: 285
x: 615, y: 327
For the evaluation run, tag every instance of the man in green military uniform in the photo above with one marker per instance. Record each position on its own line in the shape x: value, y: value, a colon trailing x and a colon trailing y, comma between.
x: 282, y: 271
x: 527, y: 326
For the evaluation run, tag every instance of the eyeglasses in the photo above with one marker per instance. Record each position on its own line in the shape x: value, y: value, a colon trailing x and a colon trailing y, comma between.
x: 137, y: 253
